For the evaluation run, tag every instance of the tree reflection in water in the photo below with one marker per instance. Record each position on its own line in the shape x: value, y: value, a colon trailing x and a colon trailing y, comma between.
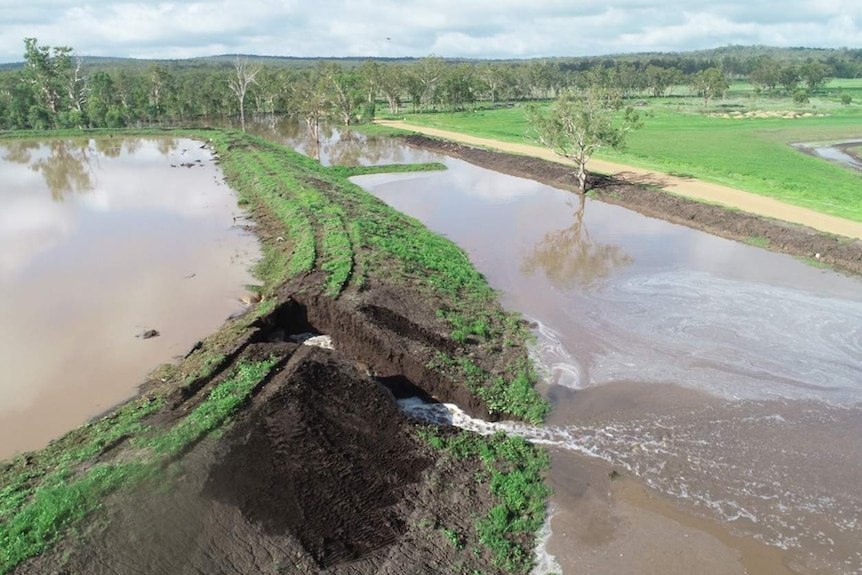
x: 337, y: 146
x: 69, y: 166
x: 570, y: 257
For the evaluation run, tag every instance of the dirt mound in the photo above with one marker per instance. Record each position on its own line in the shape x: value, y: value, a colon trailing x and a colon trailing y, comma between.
x: 841, y: 253
x: 322, y: 475
x: 324, y: 458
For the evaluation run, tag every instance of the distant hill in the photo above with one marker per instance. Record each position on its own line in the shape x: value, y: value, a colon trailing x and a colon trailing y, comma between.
x: 725, y: 56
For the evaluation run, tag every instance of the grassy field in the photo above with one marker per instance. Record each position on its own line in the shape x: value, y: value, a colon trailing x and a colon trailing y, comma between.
x: 751, y: 153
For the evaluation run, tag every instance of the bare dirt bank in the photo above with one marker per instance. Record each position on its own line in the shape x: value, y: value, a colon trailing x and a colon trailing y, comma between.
x: 640, y: 195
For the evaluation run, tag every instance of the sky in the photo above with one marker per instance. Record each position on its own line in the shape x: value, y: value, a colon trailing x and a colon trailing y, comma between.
x: 448, y: 28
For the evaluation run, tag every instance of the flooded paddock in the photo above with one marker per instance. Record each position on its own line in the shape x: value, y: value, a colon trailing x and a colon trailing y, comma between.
x: 100, y: 241
x: 721, y: 376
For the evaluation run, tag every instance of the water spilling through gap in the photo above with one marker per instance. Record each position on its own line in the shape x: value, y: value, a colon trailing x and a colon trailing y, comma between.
x: 725, y: 377
x: 719, y: 374
x: 100, y: 241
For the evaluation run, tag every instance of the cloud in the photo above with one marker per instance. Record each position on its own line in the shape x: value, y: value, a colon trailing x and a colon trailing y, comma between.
x: 471, y: 28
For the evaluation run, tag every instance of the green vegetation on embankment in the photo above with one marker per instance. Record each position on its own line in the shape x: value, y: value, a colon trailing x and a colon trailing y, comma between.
x: 718, y: 144
x: 513, y: 471
x: 311, y: 220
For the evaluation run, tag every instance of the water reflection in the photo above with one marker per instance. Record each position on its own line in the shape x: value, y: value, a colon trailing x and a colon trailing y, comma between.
x: 144, y: 246
x: 335, y: 145
x: 569, y: 257
x: 69, y: 166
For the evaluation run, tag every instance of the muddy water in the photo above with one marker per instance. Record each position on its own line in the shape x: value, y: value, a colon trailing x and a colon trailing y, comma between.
x: 101, y: 240
x: 335, y: 145
x: 721, y: 381
x: 835, y: 153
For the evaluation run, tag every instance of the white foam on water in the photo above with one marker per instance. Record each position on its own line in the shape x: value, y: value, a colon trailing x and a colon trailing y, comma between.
x: 321, y: 341
x: 545, y: 563
x: 556, y: 365
x: 736, y: 340
x: 714, y: 461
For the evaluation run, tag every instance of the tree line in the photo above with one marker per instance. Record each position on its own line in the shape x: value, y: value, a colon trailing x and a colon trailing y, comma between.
x: 57, y: 89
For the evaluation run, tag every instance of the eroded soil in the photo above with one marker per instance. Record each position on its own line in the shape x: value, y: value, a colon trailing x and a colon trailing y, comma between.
x: 321, y: 474
x: 640, y: 193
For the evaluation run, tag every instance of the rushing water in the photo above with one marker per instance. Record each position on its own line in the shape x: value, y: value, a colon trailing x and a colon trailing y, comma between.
x: 724, y: 376
x: 101, y: 240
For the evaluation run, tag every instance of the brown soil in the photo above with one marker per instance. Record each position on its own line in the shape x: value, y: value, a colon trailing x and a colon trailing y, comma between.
x: 642, y: 194
x: 322, y: 474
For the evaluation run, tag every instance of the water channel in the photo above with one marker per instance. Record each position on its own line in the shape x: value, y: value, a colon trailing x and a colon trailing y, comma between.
x: 720, y: 382
x: 100, y: 241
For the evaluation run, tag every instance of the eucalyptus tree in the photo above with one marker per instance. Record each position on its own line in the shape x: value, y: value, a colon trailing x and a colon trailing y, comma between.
x: 345, y: 89
x: 48, y: 73
x: 789, y: 77
x: 428, y: 72
x: 815, y: 75
x: 391, y: 82
x: 310, y: 100
x: 658, y: 80
x: 102, y: 100
x: 370, y: 72
x: 244, y: 74
x: 581, y: 122
x: 459, y: 86
x: 709, y: 83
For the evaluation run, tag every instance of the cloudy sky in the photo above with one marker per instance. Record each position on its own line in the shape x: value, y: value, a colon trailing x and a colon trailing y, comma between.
x: 467, y: 28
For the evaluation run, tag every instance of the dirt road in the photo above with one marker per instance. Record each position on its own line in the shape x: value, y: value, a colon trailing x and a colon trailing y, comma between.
x: 690, y: 188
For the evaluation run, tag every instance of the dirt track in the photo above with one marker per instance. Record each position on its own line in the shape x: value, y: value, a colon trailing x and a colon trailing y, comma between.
x: 689, y: 188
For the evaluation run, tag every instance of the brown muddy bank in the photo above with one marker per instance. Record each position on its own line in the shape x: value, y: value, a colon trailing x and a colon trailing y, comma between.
x: 643, y: 196
x: 322, y: 473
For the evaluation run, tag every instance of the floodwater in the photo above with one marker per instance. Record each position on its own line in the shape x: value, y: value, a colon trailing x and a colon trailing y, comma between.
x: 101, y: 240
x: 722, y: 382
x: 835, y: 153
x: 336, y: 145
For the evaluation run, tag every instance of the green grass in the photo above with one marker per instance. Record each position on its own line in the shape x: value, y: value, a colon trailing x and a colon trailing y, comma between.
x: 337, y: 227
x: 750, y: 154
x: 31, y: 519
x: 757, y: 241
x: 513, y: 473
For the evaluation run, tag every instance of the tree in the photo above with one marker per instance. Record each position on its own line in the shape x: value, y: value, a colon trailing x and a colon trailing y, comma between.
x: 815, y: 75
x: 579, y: 123
x: 765, y: 75
x: 789, y: 77
x: 311, y: 101
x: 47, y: 73
x: 239, y: 83
x: 659, y: 80
x: 709, y: 83
x: 391, y: 82
x: 345, y: 89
